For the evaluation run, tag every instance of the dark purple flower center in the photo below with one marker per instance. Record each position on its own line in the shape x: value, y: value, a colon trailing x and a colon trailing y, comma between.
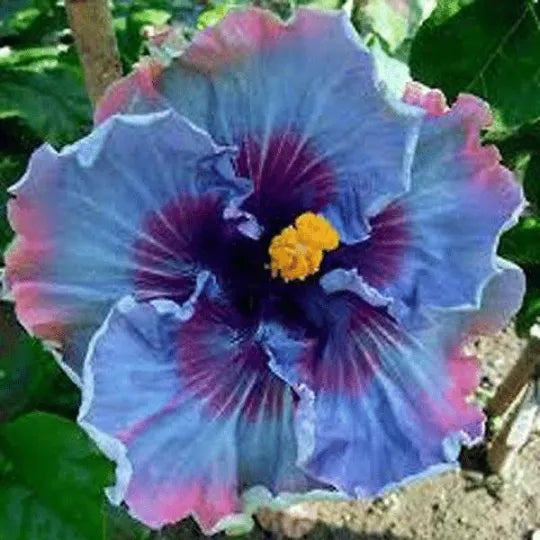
x: 191, y: 234
x: 289, y: 178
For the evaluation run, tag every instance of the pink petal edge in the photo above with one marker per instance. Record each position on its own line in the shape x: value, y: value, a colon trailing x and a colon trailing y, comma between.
x: 119, y: 95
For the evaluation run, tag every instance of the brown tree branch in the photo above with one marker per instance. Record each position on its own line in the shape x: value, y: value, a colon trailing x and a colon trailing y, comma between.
x: 514, y: 434
x: 92, y: 26
x: 520, y: 375
x: 518, y: 414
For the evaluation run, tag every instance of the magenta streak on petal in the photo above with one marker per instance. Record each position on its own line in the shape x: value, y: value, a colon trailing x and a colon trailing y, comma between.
x: 245, y: 33
x: 379, y: 259
x: 488, y: 173
x: 288, y: 178
x: 173, y: 239
x: 209, y: 501
x: 475, y: 116
x: 31, y: 249
x: 454, y: 412
x: 225, y: 368
x: 33, y: 243
x: 348, y: 358
x: 118, y: 96
x: 130, y: 434
x: 432, y: 100
x: 240, y: 34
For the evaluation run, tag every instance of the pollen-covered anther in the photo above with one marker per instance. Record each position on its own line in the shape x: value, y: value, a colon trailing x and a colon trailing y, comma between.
x: 297, y: 252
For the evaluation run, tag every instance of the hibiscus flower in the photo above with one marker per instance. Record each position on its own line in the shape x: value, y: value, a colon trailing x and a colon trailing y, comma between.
x: 262, y: 270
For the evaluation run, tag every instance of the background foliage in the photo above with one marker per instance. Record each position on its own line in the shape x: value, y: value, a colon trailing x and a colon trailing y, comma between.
x: 54, y: 490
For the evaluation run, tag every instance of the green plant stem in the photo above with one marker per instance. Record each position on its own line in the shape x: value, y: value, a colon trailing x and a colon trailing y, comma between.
x: 92, y: 26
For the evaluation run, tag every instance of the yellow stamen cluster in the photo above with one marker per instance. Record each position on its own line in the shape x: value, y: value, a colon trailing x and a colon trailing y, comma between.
x: 297, y: 252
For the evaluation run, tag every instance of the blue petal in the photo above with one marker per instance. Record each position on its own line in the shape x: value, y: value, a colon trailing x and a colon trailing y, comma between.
x: 183, y: 400
x: 302, y: 103
x: 100, y: 219
x: 380, y: 405
x: 501, y: 299
x: 436, y: 245
x: 340, y: 279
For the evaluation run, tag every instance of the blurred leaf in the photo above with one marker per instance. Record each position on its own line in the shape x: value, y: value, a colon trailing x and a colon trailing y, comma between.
x: 153, y: 17
x: 8, y: 8
x: 34, y: 58
x: 322, y: 4
x: 282, y: 8
x: 393, y: 20
x: 121, y: 526
x: 22, y: 20
x: 51, y: 100
x: 38, y: 22
x: 210, y: 17
x: 529, y: 313
x: 53, y: 481
x: 491, y: 49
x: 10, y: 166
x: 14, y: 13
x: 23, y: 367
x: 130, y: 22
x: 29, y: 376
x: 521, y: 244
x: 531, y: 182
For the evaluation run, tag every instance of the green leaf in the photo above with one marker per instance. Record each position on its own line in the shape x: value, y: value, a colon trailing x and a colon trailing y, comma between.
x: 322, y: 4
x: 393, y: 20
x: 37, y: 22
x: 10, y: 167
x: 51, y: 100
x: 30, y: 378
x: 121, y: 526
x: 152, y: 17
x: 34, y: 58
x: 529, y: 313
x: 531, y: 183
x: 24, y: 366
x: 52, y: 488
x: 210, y: 17
x: 14, y: 14
x: 485, y: 47
x: 8, y: 8
x: 521, y: 244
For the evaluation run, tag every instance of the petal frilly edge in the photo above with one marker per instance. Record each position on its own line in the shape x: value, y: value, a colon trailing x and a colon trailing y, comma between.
x: 198, y: 425
x: 356, y: 142
x: 436, y: 245
x: 489, y: 198
x: 380, y: 405
x: 81, y: 218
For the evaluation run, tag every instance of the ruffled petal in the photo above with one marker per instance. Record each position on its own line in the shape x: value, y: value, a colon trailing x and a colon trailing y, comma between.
x: 381, y: 404
x: 125, y: 209
x: 134, y: 94
x: 502, y: 296
x: 436, y: 245
x: 183, y: 400
x: 301, y: 102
